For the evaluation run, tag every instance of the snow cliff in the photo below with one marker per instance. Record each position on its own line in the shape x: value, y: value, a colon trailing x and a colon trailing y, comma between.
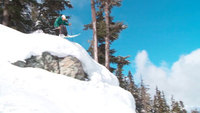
x: 31, y: 90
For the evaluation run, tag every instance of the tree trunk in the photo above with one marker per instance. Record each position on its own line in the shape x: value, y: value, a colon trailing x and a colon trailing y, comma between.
x: 5, y: 13
x: 95, y: 47
x: 107, y: 41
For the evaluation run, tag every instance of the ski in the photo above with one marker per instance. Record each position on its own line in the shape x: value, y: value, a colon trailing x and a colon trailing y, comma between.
x: 71, y: 36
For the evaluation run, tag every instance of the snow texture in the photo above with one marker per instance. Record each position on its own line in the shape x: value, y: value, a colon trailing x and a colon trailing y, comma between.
x: 32, y: 90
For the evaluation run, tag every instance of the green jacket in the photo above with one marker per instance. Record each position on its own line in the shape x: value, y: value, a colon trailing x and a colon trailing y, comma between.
x: 59, y: 22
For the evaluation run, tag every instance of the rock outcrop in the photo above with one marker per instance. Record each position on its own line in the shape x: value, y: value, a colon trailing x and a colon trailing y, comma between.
x: 68, y: 65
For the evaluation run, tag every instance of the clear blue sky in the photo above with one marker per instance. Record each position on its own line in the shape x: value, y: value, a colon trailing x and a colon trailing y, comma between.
x: 166, y: 29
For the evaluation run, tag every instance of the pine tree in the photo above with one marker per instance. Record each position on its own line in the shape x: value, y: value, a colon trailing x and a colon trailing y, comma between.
x: 144, y: 99
x: 182, y: 107
x: 108, y: 5
x: 121, y: 62
x: 160, y: 104
x: 115, y: 29
x: 133, y: 89
x: 177, y: 107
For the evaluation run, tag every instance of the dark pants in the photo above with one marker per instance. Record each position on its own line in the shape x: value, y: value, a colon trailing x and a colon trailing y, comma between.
x: 63, y: 30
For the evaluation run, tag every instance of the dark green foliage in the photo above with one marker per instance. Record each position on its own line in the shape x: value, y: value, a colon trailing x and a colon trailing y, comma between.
x: 115, y: 29
x: 134, y: 90
x: 19, y: 14
x: 28, y: 15
x: 121, y: 62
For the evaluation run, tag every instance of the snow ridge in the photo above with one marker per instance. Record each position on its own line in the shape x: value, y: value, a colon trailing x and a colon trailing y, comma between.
x: 32, y: 90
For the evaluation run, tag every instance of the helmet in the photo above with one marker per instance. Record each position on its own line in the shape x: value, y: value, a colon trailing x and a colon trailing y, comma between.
x: 63, y: 17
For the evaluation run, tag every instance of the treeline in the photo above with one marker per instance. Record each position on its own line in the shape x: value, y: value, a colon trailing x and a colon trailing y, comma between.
x: 30, y: 15
x: 145, y: 103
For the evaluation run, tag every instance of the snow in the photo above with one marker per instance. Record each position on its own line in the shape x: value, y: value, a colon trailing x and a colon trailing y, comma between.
x: 32, y: 90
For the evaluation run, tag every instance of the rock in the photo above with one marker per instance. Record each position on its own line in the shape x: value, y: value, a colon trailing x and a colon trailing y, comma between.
x: 69, y: 65
x: 45, y: 61
x: 72, y: 67
x: 20, y: 63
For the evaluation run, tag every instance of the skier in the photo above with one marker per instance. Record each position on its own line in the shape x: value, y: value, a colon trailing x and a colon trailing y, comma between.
x: 60, y: 23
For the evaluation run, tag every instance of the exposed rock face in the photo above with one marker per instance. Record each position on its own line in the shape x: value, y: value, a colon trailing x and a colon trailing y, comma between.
x: 69, y: 65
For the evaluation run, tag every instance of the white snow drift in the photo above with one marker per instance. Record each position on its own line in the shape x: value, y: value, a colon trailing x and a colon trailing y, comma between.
x: 31, y: 90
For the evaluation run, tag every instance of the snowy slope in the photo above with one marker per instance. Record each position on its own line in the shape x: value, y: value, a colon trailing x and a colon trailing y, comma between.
x: 31, y: 90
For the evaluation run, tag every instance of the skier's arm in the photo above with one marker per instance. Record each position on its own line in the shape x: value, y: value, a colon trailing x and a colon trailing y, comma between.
x: 66, y: 23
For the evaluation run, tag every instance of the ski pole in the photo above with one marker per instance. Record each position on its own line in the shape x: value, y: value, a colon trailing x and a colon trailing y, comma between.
x: 71, y: 32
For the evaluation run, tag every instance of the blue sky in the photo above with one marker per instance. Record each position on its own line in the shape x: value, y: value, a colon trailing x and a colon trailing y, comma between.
x: 166, y: 29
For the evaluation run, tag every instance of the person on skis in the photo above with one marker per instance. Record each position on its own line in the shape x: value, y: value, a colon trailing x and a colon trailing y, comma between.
x: 60, y: 23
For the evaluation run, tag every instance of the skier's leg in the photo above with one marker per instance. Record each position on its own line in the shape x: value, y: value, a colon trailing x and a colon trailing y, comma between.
x: 60, y: 29
x: 65, y: 30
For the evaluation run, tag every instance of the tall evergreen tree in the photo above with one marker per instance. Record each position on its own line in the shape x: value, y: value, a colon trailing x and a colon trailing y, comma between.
x: 133, y: 89
x: 108, y: 5
x: 115, y: 29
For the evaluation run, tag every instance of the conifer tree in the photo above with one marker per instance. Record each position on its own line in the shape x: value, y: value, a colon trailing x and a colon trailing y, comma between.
x: 115, y: 29
x: 121, y: 62
x: 177, y: 107
x: 108, y: 5
x: 133, y: 89
x: 145, y: 99
x: 160, y: 104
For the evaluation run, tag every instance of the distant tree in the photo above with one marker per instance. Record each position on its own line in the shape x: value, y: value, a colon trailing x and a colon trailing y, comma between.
x: 160, y: 104
x: 195, y: 111
x: 177, y: 107
x: 183, y: 110
x: 121, y: 62
x: 145, y: 99
x: 133, y: 89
